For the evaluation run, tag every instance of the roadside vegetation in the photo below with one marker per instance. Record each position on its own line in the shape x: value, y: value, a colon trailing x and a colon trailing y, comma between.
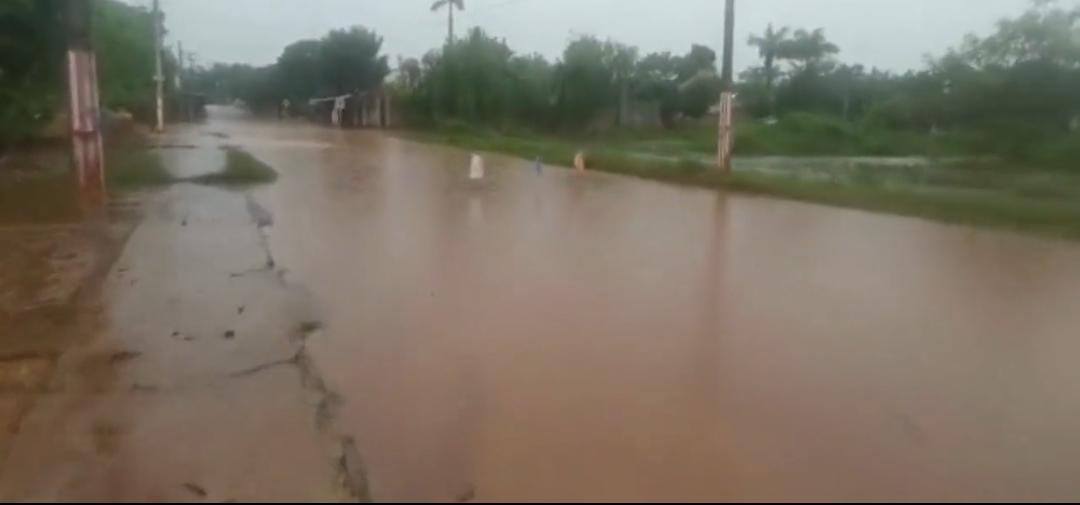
x: 32, y: 96
x: 977, y: 192
x: 136, y: 167
x: 131, y: 168
x: 1013, y: 94
x: 241, y: 168
x: 32, y: 45
x: 340, y: 62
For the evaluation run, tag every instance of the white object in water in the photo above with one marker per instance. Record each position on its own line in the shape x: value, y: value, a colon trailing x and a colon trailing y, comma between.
x: 579, y: 161
x: 476, y: 167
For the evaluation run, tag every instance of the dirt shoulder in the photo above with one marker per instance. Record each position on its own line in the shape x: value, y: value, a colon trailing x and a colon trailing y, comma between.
x: 50, y: 279
x: 162, y: 357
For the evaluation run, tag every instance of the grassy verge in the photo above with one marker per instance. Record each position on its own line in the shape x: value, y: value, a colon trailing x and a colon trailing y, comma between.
x: 1047, y: 217
x: 930, y: 198
x: 240, y: 168
x: 134, y: 168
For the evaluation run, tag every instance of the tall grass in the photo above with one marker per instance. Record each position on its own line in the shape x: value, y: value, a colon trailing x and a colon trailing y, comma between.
x: 240, y: 168
x: 134, y: 168
x: 139, y: 167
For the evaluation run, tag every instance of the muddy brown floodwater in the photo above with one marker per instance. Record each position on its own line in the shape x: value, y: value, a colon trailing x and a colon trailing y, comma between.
x: 563, y: 336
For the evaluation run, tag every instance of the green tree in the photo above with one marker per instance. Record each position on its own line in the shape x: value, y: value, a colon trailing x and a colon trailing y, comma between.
x: 32, y: 40
x: 657, y: 67
x: 586, y: 83
x: 296, y: 67
x: 698, y: 94
x: 343, y: 61
x: 409, y: 73
x: 806, y: 88
x: 699, y: 60
x: 808, y: 51
x: 1019, y: 87
x: 532, y: 80
x: 350, y: 60
x: 682, y: 85
x: 769, y: 45
x: 31, y: 47
x: 124, y: 40
x: 469, y: 79
x: 1047, y: 33
x: 699, y: 86
x: 658, y: 80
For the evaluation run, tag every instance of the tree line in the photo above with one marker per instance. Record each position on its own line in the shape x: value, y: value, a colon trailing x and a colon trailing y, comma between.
x: 1014, y: 92
x: 341, y: 62
x: 32, y: 46
x: 480, y: 79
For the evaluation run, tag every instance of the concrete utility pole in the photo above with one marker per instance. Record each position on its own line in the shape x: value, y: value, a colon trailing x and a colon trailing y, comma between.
x: 87, y: 153
x: 727, y: 95
x: 179, y: 66
x: 159, y: 76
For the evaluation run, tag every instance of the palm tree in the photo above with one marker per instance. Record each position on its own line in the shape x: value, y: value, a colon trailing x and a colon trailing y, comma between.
x: 450, y: 5
x: 769, y: 45
x: 808, y: 50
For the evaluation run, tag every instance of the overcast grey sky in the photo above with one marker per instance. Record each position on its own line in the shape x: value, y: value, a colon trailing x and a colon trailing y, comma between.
x: 888, y: 34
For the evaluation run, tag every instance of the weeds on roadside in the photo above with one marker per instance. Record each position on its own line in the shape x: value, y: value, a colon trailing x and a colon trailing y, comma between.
x: 135, y: 168
x: 240, y: 168
x: 140, y: 168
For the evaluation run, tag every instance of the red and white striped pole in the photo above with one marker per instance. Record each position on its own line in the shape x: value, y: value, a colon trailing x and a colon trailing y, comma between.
x: 87, y: 153
x: 727, y: 96
x: 159, y: 76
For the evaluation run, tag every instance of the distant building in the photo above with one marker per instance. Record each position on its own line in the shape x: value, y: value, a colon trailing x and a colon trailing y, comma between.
x: 363, y: 109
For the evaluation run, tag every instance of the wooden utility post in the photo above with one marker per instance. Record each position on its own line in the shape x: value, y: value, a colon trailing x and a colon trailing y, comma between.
x: 159, y: 76
x: 727, y: 95
x: 84, y: 114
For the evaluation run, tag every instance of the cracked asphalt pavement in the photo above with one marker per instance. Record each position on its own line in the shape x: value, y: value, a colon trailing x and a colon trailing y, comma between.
x: 179, y: 390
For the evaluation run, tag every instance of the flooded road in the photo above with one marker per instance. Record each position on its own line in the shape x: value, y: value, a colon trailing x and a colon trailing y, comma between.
x: 563, y: 336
